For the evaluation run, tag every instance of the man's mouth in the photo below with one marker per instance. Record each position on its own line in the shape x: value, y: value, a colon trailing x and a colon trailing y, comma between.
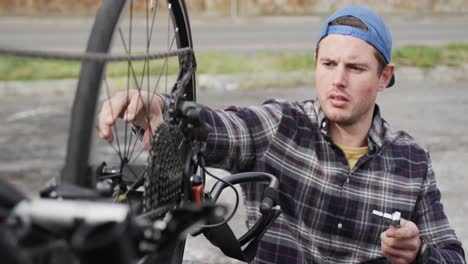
x: 338, y: 100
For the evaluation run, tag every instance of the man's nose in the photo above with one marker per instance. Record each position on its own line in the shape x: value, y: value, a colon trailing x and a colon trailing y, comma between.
x: 340, y: 79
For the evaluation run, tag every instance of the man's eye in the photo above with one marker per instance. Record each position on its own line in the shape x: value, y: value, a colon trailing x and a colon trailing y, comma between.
x: 356, y: 69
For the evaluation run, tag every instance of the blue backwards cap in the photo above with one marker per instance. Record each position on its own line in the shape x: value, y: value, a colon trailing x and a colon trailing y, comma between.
x: 377, y: 35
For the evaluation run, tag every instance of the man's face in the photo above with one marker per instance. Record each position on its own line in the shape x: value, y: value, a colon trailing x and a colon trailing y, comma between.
x: 346, y: 79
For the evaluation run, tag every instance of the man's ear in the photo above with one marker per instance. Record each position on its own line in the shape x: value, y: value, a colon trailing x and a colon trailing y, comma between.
x: 386, y: 76
x: 316, y: 54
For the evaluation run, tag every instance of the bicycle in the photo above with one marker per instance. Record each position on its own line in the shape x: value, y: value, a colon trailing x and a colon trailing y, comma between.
x: 120, y: 179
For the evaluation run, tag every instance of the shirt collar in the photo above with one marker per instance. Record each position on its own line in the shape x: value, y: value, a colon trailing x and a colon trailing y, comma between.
x: 375, y: 138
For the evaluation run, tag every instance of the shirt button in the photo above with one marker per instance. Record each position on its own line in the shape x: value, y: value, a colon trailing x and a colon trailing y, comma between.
x: 340, y: 225
x: 347, y: 180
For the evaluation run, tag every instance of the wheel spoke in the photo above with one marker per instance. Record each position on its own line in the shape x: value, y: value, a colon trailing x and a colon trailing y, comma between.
x: 139, y: 84
x: 119, y: 151
x: 112, y: 146
x: 129, y: 142
x: 169, y: 6
x: 130, y: 30
x: 153, y: 94
x: 154, y: 90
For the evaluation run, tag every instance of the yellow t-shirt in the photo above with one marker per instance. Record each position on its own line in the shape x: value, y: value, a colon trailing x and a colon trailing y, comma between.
x: 353, y: 154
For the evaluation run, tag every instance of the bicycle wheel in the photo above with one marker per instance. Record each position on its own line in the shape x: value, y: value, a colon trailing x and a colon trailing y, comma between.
x: 109, y: 20
x: 125, y: 27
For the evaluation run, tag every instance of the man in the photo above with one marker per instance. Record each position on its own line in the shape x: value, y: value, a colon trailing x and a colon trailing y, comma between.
x: 336, y: 159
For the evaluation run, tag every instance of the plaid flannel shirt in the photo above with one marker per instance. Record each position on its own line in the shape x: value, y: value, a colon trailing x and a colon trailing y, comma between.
x: 327, y: 209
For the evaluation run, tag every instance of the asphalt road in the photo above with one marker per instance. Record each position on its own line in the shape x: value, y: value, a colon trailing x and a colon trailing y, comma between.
x: 225, y: 34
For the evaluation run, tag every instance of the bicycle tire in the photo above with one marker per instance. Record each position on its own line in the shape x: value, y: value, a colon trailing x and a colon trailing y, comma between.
x: 77, y: 169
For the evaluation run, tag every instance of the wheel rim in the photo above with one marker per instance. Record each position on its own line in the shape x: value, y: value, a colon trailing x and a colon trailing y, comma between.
x: 170, y: 21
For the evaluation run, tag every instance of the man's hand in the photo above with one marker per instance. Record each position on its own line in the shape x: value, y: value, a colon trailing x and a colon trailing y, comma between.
x: 139, y: 108
x: 401, y: 245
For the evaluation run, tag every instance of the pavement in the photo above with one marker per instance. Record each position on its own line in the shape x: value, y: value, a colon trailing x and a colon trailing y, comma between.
x: 35, y: 124
x: 245, y: 34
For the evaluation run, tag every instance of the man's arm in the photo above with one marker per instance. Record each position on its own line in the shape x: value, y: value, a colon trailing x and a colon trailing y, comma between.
x: 441, y: 243
x: 240, y: 135
x: 427, y: 238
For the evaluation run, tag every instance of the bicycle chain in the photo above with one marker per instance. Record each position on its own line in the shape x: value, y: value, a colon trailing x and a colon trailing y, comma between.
x: 163, y: 180
x: 91, y: 56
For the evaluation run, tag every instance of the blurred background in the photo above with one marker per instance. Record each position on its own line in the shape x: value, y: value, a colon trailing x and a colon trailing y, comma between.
x: 247, y: 51
x: 240, y: 8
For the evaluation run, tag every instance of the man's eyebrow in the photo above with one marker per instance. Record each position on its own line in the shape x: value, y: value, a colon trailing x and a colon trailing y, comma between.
x: 325, y: 59
x: 357, y: 64
x: 361, y: 65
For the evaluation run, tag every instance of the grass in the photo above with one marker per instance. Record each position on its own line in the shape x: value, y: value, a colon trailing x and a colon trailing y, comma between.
x: 12, y: 68
x: 263, y: 62
x: 419, y: 56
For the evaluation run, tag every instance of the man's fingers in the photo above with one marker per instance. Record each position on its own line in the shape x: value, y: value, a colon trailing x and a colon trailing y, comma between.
x: 110, y: 111
x: 398, y: 256
x: 134, y: 108
x: 147, y: 139
x: 407, y: 230
x: 104, y: 126
x: 114, y: 107
x: 400, y: 244
x: 398, y: 260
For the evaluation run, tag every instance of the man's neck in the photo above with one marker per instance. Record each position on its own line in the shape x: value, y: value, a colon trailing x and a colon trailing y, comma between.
x: 354, y: 135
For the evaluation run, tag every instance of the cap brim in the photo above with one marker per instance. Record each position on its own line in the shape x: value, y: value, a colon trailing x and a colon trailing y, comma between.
x: 392, y: 81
